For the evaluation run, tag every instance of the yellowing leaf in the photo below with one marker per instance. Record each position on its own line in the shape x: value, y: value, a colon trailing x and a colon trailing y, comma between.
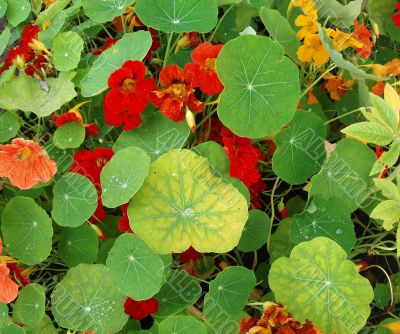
x: 393, y: 99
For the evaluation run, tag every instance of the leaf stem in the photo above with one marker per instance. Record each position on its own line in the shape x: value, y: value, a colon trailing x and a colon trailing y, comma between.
x: 219, y: 23
x: 168, y: 50
x: 272, y: 212
x: 316, y: 81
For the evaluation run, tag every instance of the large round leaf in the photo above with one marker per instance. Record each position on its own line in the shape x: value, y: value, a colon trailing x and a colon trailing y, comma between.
x: 88, y: 300
x: 18, y: 11
x: 38, y: 97
x: 9, y: 126
x: 323, y: 218
x: 70, y: 135
x: 182, y: 324
x: 27, y: 230
x: 301, y: 149
x: 132, y: 46
x: 30, y: 306
x: 135, y: 268
x: 46, y: 326
x: 123, y: 175
x: 67, y: 49
x: 178, y: 15
x: 261, y: 86
x: 13, y: 329
x: 178, y: 292
x: 156, y: 136
x: 319, y: 284
x: 255, y: 232
x: 105, y: 10
x: 345, y: 174
x: 183, y: 204
x: 229, y: 293
x: 78, y: 245
x: 74, y: 201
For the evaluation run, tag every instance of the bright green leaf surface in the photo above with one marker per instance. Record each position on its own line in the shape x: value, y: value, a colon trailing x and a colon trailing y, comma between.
x: 70, y: 135
x: 370, y: 132
x: 255, y: 232
x: 9, y: 126
x: 318, y: 283
x: 183, y: 204
x: 27, y: 230
x: 183, y: 325
x: 261, y: 86
x: 105, y: 10
x: 30, y: 306
x: 339, y: 14
x: 67, y: 49
x: 18, y: 11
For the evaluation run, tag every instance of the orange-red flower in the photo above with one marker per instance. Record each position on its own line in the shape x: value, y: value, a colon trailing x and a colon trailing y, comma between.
x: 363, y: 34
x: 396, y: 17
x: 336, y: 86
x: 8, y: 288
x: 109, y: 42
x: 128, y: 96
x: 25, y: 163
x: 203, y: 68
x: 178, y: 94
x: 139, y: 310
x: 188, y: 40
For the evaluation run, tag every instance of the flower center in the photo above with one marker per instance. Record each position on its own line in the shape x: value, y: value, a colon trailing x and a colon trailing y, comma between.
x: 24, y: 153
x: 128, y: 85
x: 209, y: 64
x: 178, y: 90
x: 100, y: 162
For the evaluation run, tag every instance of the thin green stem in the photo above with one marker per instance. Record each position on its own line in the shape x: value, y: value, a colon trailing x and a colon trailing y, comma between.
x: 272, y: 213
x: 219, y: 23
x: 168, y: 50
x: 316, y: 81
x: 344, y: 115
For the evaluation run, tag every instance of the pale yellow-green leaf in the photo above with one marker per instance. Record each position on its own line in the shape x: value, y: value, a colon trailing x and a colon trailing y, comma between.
x: 385, y: 112
x: 388, y: 158
x: 398, y: 240
x: 388, y: 189
x: 393, y: 100
x: 388, y: 211
x: 370, y: 132
x: 182, y: 203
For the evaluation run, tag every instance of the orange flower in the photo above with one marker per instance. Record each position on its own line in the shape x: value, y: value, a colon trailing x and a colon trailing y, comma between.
x: 390, y: 68
x: 336, y: 86
x: 363, y: 34
x: 342, y: 40
x: 311, y: 98
x: 25, y: 163
x: 8, y: 288
x: 308, y: 23
x: 313, y: 50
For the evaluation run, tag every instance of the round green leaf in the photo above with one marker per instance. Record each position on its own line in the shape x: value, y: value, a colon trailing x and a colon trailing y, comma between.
x: 3, y: 7
x: 18, y: 11
x: 105, y: 10
x: 345, y: 174
x: 4, y: 36
x: 88, y: 300
x: 136, y: 270
x: 27, y: 230
x: 319, y: 284
x: 255, y: 232
x: 67, y: 49
x: 228, y: 293
x: 78, y: 245
x: 178, y: 292
x: 183, y: 204
x: 3, y: 315
x: 300, y: 148
x: 30, y: 306
x: 46, y: 326
x: 324, y: 218
x: 156, y: 136
x: 75, y: 200
x: 70, y: 135
x: 132, y: 46
x: 12, y: 329
x: 123, y: 175
x: 382, y: 295
x: 9, y: 126
x: 178, y: 15
x: 182, y: 324
x: 261, y: 86
x: 41, y: 98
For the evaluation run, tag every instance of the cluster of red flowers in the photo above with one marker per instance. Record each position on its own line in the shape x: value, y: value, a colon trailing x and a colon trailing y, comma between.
x: 396, y: 16
x: 139, y: 310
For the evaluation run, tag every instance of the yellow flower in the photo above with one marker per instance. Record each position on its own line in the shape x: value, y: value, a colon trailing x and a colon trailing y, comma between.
x: 308, y: 23
x: 313, y: 50
x: 306, y: 5
x: 342, y: 40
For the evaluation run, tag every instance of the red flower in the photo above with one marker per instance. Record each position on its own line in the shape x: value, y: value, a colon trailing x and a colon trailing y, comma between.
x: 15, y: 271
x: 255, y: 193
x: 178, y: 94
x: 90, y: 164
x: 189, y: 255
x: 99, y: 215
x: 363, y: 34
x: 139, y: 310
x: 123, y: 224
x: 129, y: 95
x: 396, y: 17
x: 203, y: 68
x: 109, y: 42
x: 188, y: 40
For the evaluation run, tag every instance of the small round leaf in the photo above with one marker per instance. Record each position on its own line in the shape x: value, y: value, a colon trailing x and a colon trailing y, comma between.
x: 67, y: 49
x: 255, y: 232
x: 182, y: 324
x: 9, y: 126
x: 30, y: 306
x: 70, y: 135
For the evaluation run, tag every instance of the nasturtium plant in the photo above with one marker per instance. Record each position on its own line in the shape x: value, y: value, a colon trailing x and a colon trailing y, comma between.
x: 324, y: 218
x: 178, y: 15
x: 87, y: 299
x: 105, y: 10
x: 300, y: 148
x: 29, y: 309
x: 182, y: 324
x: 182, y: 204
x: 70, y: 135
x: 9, y: 126
x: 18, y: 11
x: 3, y: 315
x: 13, y: 329
x: 255, y: 232
x: 258, y: 98
x: 228, y: 293
x: 319, y: 284
x: 78, y: 245
x: 134, y: 267
x: 27, y: 230
x: 67, y: 49
x: 123, y: 176
x: 156, y: 136
x: 74, y: 201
